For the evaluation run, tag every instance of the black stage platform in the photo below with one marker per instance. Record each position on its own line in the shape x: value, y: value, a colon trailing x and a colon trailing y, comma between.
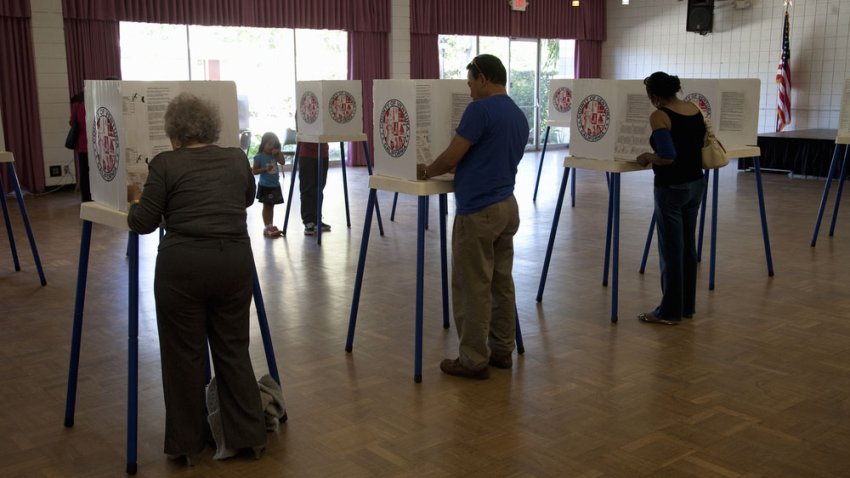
x: 806, y: 152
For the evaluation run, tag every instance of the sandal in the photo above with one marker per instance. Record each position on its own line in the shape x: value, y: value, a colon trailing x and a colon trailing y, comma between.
x: 271, y: 232
x: 651, y: 318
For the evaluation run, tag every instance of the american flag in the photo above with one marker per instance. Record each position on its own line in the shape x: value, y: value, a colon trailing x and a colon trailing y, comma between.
x: 783, y: 80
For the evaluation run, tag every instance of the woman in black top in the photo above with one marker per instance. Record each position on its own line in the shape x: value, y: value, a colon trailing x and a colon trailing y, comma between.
x: 203, y: 279
x: 678, y: 131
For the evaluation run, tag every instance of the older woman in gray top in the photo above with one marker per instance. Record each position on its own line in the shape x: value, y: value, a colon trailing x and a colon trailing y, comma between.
x: 203, y: 278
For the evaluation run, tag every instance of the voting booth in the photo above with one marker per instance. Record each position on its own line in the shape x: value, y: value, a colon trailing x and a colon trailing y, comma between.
x: 329, y: 107
x: 732, y: 106
x: 610, y: 118
x: 560, y: 102
x: 414, y: 121
x: 126, y: 129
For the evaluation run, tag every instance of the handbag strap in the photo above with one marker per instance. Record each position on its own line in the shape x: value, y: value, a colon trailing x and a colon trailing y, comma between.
x: 709, y: 132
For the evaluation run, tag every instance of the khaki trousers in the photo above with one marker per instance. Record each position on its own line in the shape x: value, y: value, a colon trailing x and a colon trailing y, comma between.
x: 483, y: 294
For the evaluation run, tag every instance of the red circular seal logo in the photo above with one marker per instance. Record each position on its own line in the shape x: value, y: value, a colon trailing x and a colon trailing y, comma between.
x: 594, y: 116
x: 562, y: 100
x: 342, y: 107
x: 394, y: 125
x: 309, y: 107
x: 105, y: 144
x: 700, y: 101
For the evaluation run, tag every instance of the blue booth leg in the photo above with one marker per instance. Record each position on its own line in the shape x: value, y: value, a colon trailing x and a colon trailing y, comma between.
x: 767, y: 254
x: 420, y: 270
x: 133, y: 355
x: 713, y: 254
x: 344, y: 185
x: 702, y: 217
x: 615, y: 190
x: 17, y: 187
x: 551, y: 245
x: 361, y: 264
x: 444, y: 268
x: 9, y: 232
x: 77, y: 329
x: 377, y: 206
x: 263, y: 320
x: 648, y: 242
x: 832, y: 165
x: 292, y: 175
x: 841, y: 178
x: 520, y: 346
x: 540, y: 165
x: 608, y: 230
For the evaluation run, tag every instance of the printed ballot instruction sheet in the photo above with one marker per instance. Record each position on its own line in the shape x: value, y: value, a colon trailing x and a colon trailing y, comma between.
x: 126, y: 128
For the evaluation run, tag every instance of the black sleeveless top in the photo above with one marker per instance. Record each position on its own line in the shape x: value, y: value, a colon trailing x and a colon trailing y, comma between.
x: 688, y: 132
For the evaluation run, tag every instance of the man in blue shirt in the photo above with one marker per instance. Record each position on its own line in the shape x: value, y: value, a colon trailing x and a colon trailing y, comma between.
x: 484, y: 153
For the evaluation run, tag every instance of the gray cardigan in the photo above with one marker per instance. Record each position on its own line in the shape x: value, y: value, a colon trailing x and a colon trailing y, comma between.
x: 201, y: 193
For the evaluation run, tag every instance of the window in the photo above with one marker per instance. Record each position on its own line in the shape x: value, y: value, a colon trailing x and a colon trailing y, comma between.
x: 528, y: 73
x: 154, y: 52
x: 264, y: 63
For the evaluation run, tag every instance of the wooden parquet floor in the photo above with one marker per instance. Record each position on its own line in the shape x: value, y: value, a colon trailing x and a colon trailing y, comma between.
x: 757, y: 384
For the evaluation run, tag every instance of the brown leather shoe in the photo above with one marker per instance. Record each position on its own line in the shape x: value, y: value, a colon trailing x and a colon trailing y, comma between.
x: 501, y: 360
x: 454, y: 367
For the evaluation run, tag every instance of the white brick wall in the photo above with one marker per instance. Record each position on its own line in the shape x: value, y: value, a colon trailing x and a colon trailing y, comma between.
x: 400, y: 40
x: 51, y: 74
x: 649, y: 35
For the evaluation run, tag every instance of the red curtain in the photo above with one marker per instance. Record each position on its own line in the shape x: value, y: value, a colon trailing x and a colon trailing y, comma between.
x: 92, y: 35
x: 554, y: 19
x: 424, y: 56
x: 92, y: 51
x: 368, y: 59
x: 19, y: 94
x: 588, y: 59
x: 350, y: 15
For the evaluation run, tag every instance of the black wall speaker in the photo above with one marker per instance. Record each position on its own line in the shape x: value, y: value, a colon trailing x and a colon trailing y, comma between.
x: 700, y: 16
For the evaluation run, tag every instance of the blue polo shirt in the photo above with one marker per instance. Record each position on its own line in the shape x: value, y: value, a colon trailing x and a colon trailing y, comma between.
x: 498, y: 131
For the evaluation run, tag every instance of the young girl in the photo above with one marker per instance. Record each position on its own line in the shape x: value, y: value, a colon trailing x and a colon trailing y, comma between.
x: 268, y: 189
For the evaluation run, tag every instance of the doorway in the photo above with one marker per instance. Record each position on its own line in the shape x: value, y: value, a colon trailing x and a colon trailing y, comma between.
x: 523, y: 83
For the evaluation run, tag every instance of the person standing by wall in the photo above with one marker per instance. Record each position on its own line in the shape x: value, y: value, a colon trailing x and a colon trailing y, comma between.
x: 485, y: 152
x: 81, y: 147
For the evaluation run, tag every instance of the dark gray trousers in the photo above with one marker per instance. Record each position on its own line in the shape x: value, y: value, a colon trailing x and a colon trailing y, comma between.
x: 308, y: 181
x: 203, y: 292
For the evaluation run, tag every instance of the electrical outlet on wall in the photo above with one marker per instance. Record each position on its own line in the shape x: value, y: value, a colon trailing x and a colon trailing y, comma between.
x: 67, y: 169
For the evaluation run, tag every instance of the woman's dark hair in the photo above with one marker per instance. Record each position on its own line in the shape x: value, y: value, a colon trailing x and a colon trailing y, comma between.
x: 491, y: 67
x: 662, y: 85
x: 269, y: 138
x: 191, y: 119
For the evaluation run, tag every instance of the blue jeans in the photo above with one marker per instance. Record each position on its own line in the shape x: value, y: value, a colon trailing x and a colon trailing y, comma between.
x: 676, y: 212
